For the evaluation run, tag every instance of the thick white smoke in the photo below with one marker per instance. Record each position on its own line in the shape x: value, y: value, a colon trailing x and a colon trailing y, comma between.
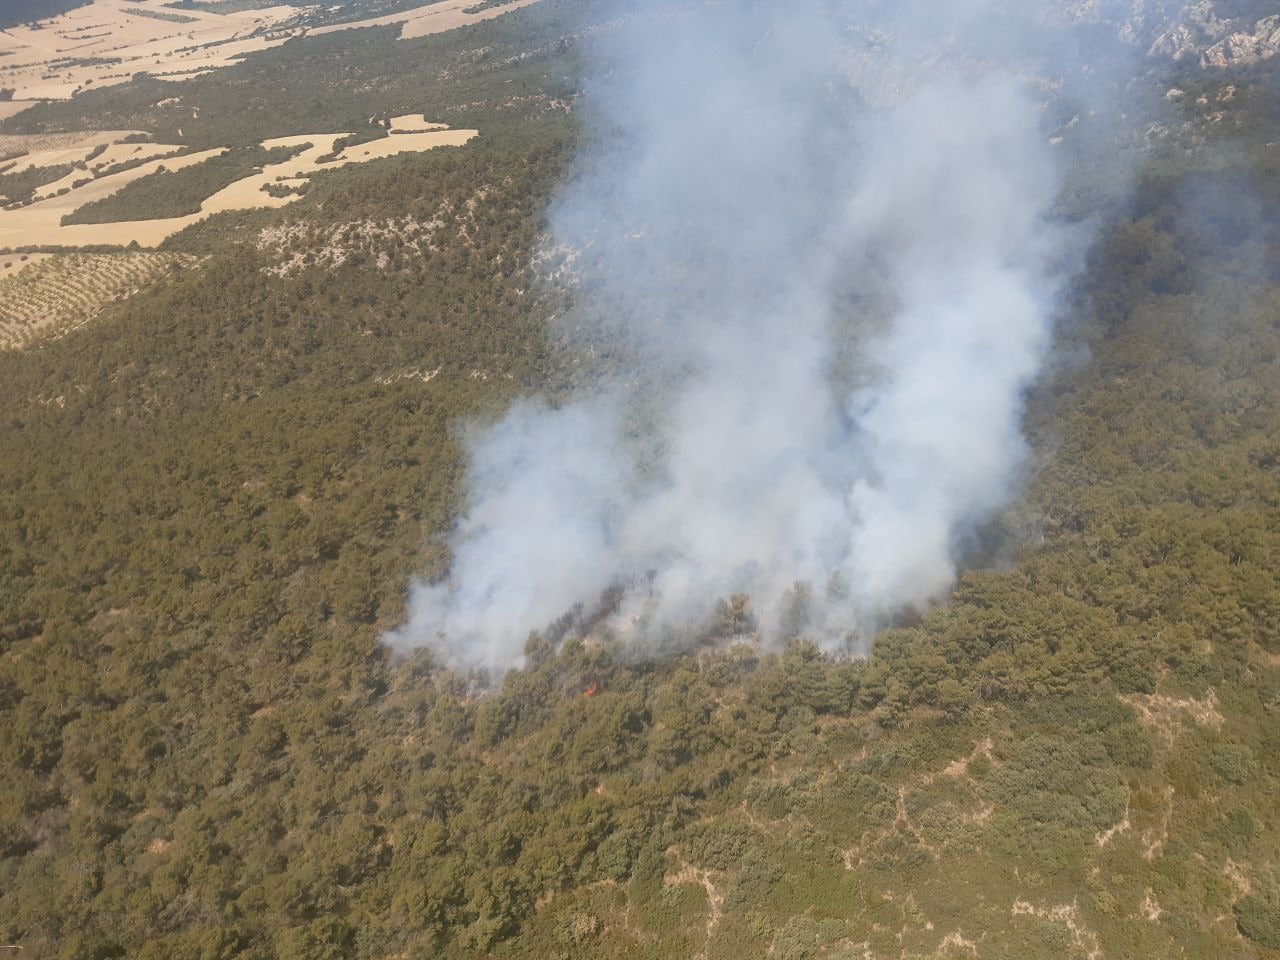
x: 821, y: 317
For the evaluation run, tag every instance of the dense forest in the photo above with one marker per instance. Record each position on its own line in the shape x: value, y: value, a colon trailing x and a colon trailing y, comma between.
x: 212, y: 497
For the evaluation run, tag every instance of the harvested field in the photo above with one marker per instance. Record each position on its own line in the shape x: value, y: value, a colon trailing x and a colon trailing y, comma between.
x: 108, y: 41
x: 50, y: 158
x: 402, y: 143
x: 40, y: 223
x: 11, y: 108
x: 431, y: 18
x: 414, y: 123
x: 114, y: 156
x: 39, y: 149
x: 54, y: 294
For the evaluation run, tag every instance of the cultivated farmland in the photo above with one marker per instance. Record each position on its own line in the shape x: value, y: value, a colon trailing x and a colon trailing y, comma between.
x: 58, y: 293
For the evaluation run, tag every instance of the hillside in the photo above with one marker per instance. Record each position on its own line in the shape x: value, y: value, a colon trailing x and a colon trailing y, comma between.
x: 213, y: 492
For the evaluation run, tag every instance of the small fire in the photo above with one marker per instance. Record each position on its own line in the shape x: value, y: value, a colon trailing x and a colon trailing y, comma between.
x: 591, y: 689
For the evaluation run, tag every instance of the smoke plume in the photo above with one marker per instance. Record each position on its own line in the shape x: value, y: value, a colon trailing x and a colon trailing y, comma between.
x: 815, y: 270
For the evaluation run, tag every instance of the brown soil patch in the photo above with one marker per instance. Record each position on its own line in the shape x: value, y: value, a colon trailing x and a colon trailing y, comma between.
x: 1157, y: 836
x: 1165, y: 714
x: 1150, y: 908
x: 956, y: 943
x: 1123, y: 826
x: 1068, y: 915
x: 1236, y: 877
x: 704, y: 878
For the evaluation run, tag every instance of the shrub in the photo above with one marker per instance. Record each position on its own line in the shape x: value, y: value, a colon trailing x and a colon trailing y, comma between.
x: 715, y: 846
x: 1233, y: 762
x: 1258, y: 916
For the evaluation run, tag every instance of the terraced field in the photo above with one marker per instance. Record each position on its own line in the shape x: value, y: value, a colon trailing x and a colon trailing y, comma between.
x: 59, y: 293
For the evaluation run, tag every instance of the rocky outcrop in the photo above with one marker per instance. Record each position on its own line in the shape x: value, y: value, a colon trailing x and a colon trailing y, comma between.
x: 1198, y: 33
x: 1188, y: 32
x: 1180, y: 31
x: 1240, y: 47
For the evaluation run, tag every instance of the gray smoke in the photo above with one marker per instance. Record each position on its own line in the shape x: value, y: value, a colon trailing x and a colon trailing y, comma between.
x: 813, y: 304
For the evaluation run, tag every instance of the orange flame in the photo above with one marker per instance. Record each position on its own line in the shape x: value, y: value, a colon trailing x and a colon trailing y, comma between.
x: 592, y: 687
